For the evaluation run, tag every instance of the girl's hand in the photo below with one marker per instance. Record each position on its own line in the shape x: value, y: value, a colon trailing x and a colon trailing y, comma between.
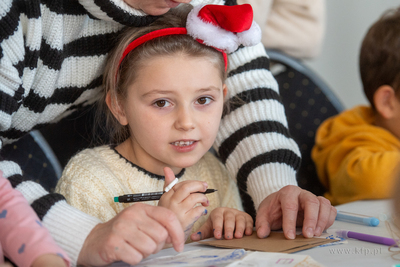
x: 182, y: 200
x: 225, y: 220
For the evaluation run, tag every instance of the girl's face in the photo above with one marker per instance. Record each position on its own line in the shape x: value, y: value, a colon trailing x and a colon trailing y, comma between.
x: 155, y: 7
x: 173, y: 110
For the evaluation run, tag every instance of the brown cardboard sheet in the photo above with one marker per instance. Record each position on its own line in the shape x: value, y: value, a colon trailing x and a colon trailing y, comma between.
x: 275, y: 242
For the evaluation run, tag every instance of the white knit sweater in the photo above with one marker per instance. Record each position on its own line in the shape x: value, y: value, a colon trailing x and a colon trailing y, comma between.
x: 93, y: 177
x: 51, y: 58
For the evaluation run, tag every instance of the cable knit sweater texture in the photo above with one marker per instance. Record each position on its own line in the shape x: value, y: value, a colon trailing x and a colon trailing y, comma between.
x: 93, y: 178
x: 52, y: 53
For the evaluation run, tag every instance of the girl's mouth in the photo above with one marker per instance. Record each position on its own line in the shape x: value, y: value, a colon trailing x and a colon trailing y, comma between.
x: 183, y: 143
x: 184, y: 146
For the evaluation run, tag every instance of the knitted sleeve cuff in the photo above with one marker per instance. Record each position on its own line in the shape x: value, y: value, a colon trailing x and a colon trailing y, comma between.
x: 268, y: 179
x: 69, y: 227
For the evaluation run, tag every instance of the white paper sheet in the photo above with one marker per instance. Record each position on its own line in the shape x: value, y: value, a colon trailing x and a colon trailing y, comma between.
x: 229, y: 258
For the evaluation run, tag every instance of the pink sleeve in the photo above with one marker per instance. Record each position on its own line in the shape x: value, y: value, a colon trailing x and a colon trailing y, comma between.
x: 23, y: 238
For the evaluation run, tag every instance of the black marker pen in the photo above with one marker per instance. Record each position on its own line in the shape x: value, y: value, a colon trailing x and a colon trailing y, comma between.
x: 148, y: 196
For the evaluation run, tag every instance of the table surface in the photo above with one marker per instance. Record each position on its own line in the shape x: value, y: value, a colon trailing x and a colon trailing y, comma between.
x: 354, y: 253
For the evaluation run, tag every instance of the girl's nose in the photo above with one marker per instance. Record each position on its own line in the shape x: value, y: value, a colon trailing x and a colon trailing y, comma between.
x: 184, y: 120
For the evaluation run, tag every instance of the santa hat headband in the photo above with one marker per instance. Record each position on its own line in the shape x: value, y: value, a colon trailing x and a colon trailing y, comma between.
x: 224, y: 28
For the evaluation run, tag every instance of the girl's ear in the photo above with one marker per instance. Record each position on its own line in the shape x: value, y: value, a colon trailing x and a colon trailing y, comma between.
x: 385, y: 101
x: 224, y: 90
x: 116, y: 109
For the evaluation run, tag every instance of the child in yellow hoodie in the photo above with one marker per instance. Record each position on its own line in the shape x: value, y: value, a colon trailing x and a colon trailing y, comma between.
x: 357, y: 153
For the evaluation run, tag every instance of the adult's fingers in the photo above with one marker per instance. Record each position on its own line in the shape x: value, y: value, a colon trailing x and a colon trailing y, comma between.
x: 171, y: 223
x: 155, y: 233
x: 324, y: 216
x: 263, y: 227
x: 99, y: 246
x: 332, y: 217
x: 270, y: 212
x: 135, y: 233
x: 311, y: 206
x: 289, y: 200
x: 133, y: 251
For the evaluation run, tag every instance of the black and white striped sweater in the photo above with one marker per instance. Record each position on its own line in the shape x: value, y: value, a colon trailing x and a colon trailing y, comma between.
x: 51, y: 57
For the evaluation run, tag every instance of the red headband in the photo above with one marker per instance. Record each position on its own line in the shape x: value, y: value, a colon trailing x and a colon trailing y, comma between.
x: 224, y: 28
x: 159, y: 33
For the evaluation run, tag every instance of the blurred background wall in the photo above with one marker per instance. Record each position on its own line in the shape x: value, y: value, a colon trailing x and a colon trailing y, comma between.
x: 347, y: 23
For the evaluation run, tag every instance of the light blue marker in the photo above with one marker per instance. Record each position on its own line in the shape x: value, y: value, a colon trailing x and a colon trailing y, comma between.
x: 369, y: 221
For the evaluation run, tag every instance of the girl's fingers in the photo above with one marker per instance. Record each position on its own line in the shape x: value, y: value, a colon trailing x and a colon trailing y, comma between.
x: 229, y: 224
x: 194, y: 214
x: 217, y: 220
x: 205, y: 231
x: 183, y: 190
x: 244, y: 225
x: 228, y: 221
x: 193, y: 199
x: 240, y: 225
x: 249, y: 225
x: 169, y: 176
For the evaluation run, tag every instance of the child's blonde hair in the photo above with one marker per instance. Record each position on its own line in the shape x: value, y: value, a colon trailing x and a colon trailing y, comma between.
x: 117, y: 78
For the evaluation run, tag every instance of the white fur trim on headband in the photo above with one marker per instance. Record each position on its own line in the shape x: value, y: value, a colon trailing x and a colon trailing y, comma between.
x: 218, y: 37
x: 211, y: 35
x: 250, y: 37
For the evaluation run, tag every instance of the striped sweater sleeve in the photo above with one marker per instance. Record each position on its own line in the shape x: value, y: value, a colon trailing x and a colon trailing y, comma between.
x: 254, y: 141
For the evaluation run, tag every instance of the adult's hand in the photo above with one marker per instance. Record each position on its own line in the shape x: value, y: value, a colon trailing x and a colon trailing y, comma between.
x: 132, y: 235
x: 290, y: 207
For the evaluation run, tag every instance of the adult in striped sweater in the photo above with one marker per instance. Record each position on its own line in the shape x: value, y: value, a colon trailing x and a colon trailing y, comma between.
x: 52, y: 55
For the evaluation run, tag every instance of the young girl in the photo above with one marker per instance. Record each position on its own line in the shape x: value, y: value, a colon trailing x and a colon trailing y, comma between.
x: 23, y: 239
x: 165, y: 91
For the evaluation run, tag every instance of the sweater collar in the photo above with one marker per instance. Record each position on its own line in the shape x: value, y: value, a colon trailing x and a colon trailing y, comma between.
x: 152, y: 175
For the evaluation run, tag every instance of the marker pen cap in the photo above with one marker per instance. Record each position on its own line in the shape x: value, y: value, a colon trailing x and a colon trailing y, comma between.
x: 371, y: 221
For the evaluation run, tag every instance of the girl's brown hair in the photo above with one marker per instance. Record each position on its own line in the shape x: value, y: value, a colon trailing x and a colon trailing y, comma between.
x: 117, y: 79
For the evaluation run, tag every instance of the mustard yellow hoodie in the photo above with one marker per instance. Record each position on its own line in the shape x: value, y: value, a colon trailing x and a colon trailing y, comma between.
x: 354, y: 158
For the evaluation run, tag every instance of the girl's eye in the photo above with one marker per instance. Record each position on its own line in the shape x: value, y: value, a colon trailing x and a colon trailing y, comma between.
x: 162, y: 103
x: 204, y: 100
